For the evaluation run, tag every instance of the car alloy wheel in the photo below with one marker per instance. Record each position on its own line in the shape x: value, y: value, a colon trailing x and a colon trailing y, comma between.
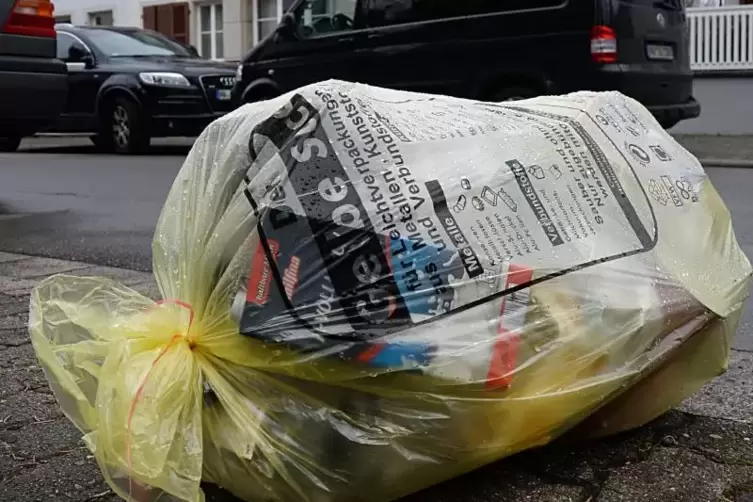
x: 121, y: 127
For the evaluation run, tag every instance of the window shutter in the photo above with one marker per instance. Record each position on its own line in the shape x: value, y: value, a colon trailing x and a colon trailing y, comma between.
x: 169, y: 19
x: 165, y: 19
x: 180, y: 22
x: 149, y: 18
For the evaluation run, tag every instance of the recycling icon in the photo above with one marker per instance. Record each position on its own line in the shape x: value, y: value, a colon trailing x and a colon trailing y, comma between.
x: 537, y: 172
x: 658, y: 192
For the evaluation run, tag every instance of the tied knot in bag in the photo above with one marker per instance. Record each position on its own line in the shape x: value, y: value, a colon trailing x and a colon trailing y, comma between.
x: 174, y: 340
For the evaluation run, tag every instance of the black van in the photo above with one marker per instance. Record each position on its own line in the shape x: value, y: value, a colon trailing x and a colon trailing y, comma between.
x: 493, y: 50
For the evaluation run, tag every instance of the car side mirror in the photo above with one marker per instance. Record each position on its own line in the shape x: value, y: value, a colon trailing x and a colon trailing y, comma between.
x: 77, y: 54
x: 193, y: 50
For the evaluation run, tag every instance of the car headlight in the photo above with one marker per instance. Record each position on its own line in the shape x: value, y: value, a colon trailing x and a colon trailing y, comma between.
x: 164, y: 78
x: 239, y: 73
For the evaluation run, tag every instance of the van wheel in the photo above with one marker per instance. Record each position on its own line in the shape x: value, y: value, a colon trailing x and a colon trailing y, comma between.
x: 513, y: 94
x: 9, y: 144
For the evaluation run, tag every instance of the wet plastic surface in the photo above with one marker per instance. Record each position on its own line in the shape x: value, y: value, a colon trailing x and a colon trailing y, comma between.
x: 369, y: 291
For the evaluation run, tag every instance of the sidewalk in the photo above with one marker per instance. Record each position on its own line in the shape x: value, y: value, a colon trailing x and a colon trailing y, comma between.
x: 701, y: 453
x: 719, y: 150
x: 77, y: 143
x: 712, y: 150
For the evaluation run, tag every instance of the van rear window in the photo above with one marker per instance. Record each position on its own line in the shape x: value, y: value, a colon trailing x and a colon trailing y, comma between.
x: 387, y: 12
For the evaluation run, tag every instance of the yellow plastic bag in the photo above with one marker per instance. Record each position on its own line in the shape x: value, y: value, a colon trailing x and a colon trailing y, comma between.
x: 366, y: 292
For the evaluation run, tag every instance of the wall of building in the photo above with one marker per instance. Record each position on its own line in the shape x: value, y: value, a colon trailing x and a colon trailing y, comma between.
x: 237, y: 26
x: 238, y: 20
x: 714, y: 3
x: 125, y: 12
x: 718, y: 3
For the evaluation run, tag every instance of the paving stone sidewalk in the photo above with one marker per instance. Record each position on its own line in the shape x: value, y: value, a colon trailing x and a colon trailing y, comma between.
x: 719, y: 150
x: 701, y: 454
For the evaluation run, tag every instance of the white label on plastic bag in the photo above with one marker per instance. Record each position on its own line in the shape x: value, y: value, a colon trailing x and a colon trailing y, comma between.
x: 396, y: 212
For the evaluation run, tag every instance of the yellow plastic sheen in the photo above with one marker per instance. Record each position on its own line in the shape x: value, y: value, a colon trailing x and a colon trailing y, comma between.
x: 608, y: 347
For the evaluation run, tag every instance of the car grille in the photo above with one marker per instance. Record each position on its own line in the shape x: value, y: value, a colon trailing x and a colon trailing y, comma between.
x: 213, y: 83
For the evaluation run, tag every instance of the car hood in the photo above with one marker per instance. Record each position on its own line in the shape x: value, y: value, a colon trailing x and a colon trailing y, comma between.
x: 191, y: 67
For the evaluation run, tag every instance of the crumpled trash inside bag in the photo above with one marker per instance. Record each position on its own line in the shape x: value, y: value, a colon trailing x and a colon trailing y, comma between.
x: 366, y: 292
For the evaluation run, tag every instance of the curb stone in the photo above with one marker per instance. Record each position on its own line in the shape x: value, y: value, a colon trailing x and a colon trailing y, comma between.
x: 20, y: 273
x: 713, y: 150
x: 683, y: 456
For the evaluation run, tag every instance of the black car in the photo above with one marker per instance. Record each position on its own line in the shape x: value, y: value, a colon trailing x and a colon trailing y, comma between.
x: 127, y: 85
x: 33, y: 82
x: 494, y: 50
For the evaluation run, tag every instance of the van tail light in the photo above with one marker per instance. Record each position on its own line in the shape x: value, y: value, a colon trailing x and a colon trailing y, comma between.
x: 603, y: 44
x: 31, y: 17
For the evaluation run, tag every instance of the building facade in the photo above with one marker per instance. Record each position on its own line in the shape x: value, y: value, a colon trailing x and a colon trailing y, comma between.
x: 718, y: 3
x: 219, y: 29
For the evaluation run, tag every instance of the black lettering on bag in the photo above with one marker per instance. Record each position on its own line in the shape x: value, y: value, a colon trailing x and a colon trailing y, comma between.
x: 351, y: 252
x: 467, y: 255
x: 529, y: 192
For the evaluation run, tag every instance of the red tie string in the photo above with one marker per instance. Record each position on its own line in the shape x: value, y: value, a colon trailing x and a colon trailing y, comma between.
x: 176, y: 337
x: 183, y: 304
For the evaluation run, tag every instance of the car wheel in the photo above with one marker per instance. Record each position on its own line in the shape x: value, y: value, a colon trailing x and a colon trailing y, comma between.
x: 9, y: 144
x: 125, y: 132
x: 513, y: 94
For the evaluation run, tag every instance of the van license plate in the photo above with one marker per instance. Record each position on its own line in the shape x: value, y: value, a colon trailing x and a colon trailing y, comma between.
x: 660, y: 52
x: 224, y: 94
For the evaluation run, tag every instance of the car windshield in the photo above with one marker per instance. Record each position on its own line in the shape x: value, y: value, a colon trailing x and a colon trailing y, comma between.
x: 136, y: 43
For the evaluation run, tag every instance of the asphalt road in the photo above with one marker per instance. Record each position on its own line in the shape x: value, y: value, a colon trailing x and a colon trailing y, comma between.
x: 71, y: 203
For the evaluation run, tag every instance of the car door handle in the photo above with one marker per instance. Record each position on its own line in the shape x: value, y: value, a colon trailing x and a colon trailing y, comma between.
x: 346, y: 40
